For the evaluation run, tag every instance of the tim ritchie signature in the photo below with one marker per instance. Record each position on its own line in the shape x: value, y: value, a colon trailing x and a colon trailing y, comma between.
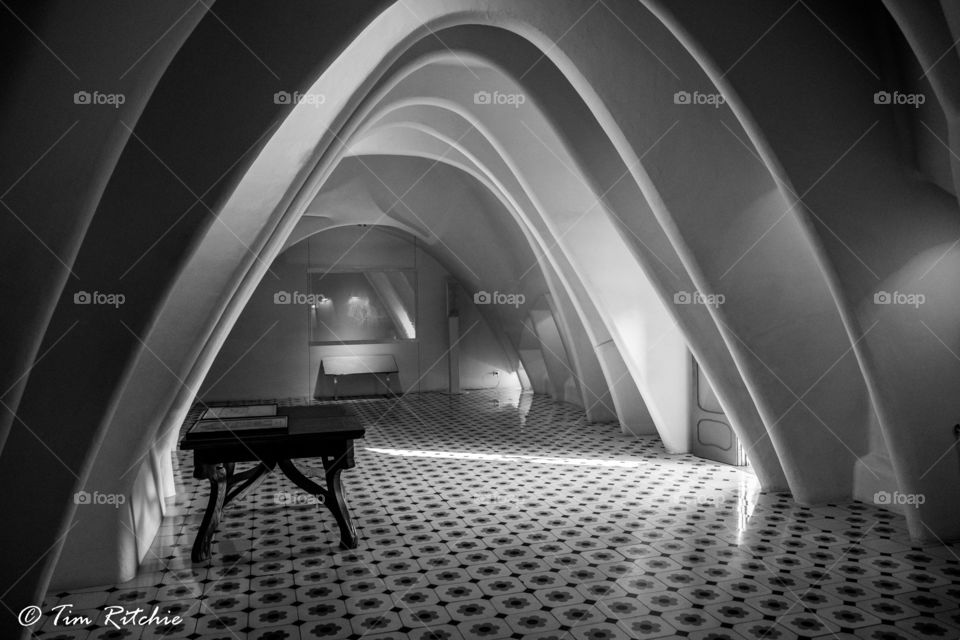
x: 115, y: 616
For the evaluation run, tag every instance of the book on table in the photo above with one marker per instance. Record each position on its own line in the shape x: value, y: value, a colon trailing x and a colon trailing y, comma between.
x: 246, y: 411
x: 248, y: 420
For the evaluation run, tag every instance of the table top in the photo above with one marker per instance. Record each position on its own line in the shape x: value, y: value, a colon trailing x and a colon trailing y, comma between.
x: 306, y: 424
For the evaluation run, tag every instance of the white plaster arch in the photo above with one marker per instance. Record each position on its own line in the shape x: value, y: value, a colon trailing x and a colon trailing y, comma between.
x: 532, y: 214
x: 220, y: 289
x: 451, y: 152
x: 282, y: 156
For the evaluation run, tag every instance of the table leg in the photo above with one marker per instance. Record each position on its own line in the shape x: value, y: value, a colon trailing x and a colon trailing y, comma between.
x: 242, y: 483
x: 332, y: 496
x: 217, y: 474
x: 338, y: 507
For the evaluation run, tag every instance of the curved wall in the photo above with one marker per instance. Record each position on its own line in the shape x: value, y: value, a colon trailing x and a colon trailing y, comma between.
x: 218, y: 180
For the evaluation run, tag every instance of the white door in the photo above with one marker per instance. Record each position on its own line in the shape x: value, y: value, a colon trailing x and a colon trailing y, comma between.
x: 713, y: 437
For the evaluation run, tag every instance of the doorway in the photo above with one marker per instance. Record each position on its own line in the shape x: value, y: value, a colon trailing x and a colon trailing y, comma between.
x: 713, y: 437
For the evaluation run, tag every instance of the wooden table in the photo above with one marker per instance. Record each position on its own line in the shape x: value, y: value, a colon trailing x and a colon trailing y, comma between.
x: 323, y: 431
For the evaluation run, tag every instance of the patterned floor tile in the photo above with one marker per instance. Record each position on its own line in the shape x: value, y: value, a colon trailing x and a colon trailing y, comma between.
x: 647, y: 627
x: 463, y: 538
x: 485, y: 629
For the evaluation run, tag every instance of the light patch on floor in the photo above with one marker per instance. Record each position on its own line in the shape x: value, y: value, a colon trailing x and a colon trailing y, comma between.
x: 496, y: 515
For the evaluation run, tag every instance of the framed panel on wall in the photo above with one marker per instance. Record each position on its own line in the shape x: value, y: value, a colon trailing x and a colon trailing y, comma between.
x: 362, y: 306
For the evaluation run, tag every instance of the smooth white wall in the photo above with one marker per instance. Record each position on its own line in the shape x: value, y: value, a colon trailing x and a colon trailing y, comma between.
x: 268, y: 354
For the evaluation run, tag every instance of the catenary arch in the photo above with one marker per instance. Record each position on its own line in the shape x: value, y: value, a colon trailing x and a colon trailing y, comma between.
x: 459, y: 119
x: 423, y: 141
x: 594, y: 303
x: 221, y: 239
x: 369, y: 186
x: 220, y: 245
x: 501, y: 153
x: 459, y: 246
x: 182, y: 338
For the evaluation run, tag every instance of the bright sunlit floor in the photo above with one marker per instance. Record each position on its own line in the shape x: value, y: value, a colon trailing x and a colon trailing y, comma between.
x: 505, y: 515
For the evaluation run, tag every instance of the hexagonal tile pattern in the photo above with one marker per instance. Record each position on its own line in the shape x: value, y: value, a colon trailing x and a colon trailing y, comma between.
x: 496, y: 515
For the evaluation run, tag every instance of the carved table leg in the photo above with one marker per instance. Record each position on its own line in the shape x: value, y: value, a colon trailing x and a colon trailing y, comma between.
x: 338, y: 507
x: 243, y: 483
x: 217, y: 474
x: 332, y: 496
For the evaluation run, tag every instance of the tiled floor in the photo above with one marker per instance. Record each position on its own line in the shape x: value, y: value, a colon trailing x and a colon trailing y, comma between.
x: 493, y: 515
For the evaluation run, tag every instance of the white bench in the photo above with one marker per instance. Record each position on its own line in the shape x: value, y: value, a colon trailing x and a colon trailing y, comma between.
x: 351, y: 376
